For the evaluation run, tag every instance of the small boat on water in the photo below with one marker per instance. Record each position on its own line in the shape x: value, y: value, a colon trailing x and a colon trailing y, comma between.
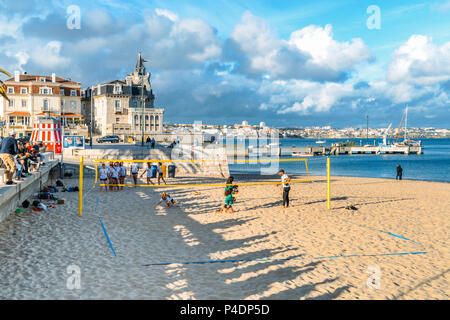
x: 301, y: 154
x: 320, y: 141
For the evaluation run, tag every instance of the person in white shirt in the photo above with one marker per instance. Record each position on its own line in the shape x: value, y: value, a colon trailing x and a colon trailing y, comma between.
x: 113, y: 177
x: 122, y: 174
x: 286, y: 187
x: 134, y: 172
x: 160, y: 173
x: 165, y: 197
x: 149, y: 173
x: 103, y: 176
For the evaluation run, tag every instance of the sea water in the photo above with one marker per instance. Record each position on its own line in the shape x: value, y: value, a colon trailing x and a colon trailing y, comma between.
x: 432, y: 165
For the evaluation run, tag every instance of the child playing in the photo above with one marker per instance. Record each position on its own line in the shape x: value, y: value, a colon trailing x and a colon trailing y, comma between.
x: 149, y: 173
x: 227, y: 207
x: 167, y: 199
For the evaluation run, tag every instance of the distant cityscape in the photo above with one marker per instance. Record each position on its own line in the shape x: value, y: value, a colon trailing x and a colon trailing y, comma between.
x: 315, y: 132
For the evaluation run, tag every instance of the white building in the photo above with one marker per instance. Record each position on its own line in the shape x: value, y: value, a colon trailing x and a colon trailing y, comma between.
x: 124, y: 108
x: 32, y: 95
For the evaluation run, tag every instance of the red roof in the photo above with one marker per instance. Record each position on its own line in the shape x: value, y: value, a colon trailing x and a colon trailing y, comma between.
x: 19, y: 113
x: 48, y: 79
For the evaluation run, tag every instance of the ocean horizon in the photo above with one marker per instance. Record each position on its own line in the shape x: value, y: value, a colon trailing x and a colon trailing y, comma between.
x: 432, y: 165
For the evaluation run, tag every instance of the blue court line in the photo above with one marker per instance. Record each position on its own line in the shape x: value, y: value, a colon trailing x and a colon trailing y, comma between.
x: 389, y: 233
x: 285, y: 259
x: 373, y: 255
x: 107, y: 238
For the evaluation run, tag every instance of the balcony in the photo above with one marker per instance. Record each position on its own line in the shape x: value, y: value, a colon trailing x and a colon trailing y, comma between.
x: 19, y: 126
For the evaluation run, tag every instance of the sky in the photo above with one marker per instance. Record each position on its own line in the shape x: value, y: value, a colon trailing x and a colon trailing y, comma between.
x: 286, y: 63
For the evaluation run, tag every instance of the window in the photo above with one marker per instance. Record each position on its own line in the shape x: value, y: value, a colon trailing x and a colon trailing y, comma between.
x: 44, y: 91
x: 134, y: 104
x: 10, y: 89
x: 24, y: 103
x: 61, y: 92
x: 117, y: 89
x: 117, y: 105
x: 23, y: 90
x: 46, y: 105
x: 11, y: 103
x: 73, y: 93
x: 117, y: 120
x: 42, y: 79
x: 73, y: 104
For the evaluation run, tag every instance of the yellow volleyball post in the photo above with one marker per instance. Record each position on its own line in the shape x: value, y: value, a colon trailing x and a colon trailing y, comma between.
x: 96, y: 175
x: 80, y: 192
x: 328, y: 185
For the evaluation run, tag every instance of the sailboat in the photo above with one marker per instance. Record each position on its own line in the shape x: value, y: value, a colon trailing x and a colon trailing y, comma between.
x: 406, y: 141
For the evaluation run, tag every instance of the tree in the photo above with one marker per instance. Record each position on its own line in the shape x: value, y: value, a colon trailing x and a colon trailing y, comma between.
x: 3, y: 86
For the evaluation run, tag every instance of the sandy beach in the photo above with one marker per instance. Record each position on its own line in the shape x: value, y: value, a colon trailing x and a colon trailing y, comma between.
x: 303, y: 252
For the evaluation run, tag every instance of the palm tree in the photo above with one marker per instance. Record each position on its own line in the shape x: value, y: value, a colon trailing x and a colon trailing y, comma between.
x: 2, y: 85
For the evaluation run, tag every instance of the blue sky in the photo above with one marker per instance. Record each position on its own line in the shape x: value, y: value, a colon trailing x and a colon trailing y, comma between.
x: 288, y: 63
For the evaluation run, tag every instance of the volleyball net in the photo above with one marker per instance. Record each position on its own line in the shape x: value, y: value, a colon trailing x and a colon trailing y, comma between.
x: 250, y: 171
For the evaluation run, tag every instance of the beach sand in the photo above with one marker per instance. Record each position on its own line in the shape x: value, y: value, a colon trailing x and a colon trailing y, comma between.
x: 324, y: 247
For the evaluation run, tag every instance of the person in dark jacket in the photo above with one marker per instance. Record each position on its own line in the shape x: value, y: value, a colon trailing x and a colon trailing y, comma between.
x: 8, y: 150
x: 399, y: 173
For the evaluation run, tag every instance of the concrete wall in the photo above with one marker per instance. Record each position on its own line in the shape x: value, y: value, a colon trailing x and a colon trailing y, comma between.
x: 216, y: 168
x: 13, y: 196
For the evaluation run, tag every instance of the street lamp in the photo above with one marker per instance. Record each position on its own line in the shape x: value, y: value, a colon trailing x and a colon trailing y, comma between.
x: 367, y: 132
x: 143, y: 107
x: 90, y: 129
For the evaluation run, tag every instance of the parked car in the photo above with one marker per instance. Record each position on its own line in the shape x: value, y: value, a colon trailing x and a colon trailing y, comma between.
x: 112, y: 139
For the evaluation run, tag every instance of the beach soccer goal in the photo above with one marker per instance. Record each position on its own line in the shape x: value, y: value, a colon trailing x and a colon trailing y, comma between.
x: 256, y: 171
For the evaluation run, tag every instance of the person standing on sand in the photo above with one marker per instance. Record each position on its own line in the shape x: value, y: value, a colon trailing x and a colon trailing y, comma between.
x: 122, y: 174
x: 134, y: 172
x: 286, y: 187
x: 103, y: 176
x: 229, y: 200
x: 149, y: 173
x: 160, y: 173
x: 399, y: 173
x: 8, y: 150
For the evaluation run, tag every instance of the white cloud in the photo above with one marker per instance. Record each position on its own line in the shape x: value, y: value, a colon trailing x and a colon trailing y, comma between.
x: 327, y: 52
x: 310, y: 53
x: 49, y: 55
x: 168, y: 14
x: 419, y: 61
x: 99, y: 19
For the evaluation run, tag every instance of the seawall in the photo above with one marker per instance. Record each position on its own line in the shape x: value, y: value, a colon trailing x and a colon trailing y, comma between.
x: 12, y: 196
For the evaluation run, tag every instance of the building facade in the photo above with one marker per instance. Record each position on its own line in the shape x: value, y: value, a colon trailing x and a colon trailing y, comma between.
x: 33, y: 96
x: 124, y: 108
